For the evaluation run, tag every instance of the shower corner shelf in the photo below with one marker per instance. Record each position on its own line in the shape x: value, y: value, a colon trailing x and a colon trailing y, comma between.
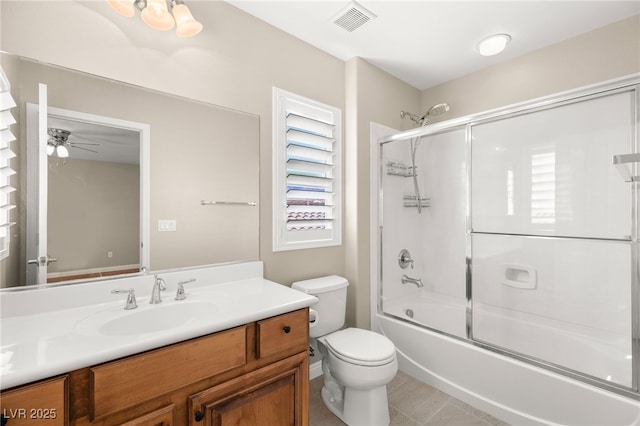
x: 621, y: 161
x: 395, y: 168
x: 412, y: 201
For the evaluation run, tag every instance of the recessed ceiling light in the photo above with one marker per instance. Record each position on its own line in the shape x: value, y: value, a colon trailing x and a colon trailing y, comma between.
x: 493, y: 44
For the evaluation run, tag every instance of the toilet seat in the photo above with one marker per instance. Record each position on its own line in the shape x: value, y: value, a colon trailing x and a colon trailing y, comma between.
x: 361, y: 347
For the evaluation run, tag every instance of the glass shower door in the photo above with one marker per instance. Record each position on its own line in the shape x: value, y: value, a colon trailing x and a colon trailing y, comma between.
x: 554, y: 235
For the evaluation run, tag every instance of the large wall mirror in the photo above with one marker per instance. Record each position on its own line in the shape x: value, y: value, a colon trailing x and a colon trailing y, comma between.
x: 127, y: 172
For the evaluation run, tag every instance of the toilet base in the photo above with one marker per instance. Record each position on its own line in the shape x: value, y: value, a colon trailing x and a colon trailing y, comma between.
x: 357, y: 407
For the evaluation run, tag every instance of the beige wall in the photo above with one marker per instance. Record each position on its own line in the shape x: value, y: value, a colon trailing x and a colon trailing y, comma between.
x: 600, y: 55
x: 93, y: 209
x: 372, y: 95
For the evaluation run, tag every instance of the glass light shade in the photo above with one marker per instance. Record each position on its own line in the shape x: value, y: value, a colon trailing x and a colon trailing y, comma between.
x: 50, y: 149
x: 123, y: 7
x: 494, y: 44
x: 157, y: 16
x: 62, y: 151
x: 187, y: 26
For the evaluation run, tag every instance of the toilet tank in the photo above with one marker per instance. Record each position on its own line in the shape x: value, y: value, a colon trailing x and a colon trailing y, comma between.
x: 328, y: 314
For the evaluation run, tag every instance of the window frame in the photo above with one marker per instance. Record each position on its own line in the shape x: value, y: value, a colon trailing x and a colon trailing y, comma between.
x: 287, y: 104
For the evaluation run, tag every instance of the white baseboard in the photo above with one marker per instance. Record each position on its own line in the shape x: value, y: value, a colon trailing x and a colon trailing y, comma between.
x: 315, y: 370
x: 92, y: 270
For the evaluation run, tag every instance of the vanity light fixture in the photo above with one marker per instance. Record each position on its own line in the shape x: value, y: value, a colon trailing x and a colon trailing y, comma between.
x: 157, y: 16
x: 161, y: 15
x: 493, y: 44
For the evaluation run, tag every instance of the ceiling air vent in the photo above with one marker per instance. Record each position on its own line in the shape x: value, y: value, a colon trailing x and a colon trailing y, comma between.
x: 352, y: 17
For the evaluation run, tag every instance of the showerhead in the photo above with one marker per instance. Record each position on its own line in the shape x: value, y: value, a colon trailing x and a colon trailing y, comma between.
x: 438, y: 109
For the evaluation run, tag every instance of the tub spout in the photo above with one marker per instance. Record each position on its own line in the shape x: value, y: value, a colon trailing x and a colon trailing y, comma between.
x: 408, y: 280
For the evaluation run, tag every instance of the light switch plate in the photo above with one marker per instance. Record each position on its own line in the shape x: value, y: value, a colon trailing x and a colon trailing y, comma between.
x: 166, y: 225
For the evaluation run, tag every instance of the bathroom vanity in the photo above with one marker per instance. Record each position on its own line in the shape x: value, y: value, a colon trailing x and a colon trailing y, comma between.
x: 250, y: 367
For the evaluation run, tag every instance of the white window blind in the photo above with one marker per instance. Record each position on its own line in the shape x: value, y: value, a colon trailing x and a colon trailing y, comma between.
x: 6, y: 171
x: 307, y: 173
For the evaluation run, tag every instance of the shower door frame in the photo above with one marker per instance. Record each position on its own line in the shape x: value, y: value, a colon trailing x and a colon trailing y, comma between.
x: 625, y: 84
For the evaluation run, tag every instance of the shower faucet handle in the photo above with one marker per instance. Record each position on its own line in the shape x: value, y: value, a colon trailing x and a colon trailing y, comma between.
x: 404, y: 259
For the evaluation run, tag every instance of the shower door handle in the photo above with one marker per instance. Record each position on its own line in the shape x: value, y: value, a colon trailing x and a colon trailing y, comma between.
x: 520, y: 276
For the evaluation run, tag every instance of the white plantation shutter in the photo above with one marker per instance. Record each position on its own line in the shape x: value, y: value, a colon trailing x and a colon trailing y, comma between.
x: 6, y: 170
x: 307, y: 173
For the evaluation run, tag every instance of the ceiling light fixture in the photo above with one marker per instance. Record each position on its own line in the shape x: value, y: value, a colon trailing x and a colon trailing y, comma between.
x: 57, y: 142
x: 161, y: 15
x: 493, y: 44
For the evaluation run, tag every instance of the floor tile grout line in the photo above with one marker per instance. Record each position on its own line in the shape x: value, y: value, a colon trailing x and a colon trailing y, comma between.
x: 417, y: 386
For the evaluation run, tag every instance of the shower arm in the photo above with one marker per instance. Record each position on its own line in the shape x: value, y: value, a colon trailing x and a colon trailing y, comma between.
x: 413, y: 117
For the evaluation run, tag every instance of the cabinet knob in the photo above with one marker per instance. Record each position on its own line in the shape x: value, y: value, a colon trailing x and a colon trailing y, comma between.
x: 199, y: 416
x: 286, y: 329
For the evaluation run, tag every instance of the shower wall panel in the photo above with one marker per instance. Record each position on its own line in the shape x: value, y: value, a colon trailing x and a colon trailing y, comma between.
x: 401, y: 226
x: 443, y: 222
x: 436, y: 236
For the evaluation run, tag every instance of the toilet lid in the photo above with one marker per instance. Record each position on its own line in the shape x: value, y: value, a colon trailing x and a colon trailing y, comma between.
x: 361, y: 346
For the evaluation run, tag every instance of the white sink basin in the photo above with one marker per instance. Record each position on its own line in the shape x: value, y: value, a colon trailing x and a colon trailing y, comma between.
x: 146, y: 318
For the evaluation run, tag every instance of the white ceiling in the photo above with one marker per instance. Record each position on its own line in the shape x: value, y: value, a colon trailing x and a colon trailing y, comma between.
x: 111, y: 144
x: 426, y: 42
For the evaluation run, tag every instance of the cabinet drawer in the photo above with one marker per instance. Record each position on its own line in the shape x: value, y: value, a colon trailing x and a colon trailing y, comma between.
x: 121, y: 384
x: 284, y: 335
x: 43, y: 403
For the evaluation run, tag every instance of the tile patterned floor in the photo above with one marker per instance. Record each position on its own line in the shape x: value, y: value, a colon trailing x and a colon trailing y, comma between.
x: 411, y: 403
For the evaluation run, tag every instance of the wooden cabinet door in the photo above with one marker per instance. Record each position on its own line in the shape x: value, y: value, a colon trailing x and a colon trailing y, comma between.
x: 276, y: 395
x: 162, y: 417
x: 38, y: 404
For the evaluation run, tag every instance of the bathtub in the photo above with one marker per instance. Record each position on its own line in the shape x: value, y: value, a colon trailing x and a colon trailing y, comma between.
x: 512, y: 390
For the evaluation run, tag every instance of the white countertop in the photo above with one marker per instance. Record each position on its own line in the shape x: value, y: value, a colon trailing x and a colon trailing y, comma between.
x: 43, y: 344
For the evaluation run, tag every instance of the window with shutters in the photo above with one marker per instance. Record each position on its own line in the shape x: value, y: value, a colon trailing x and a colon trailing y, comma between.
x: 6, y: 171
x: 307, y: 185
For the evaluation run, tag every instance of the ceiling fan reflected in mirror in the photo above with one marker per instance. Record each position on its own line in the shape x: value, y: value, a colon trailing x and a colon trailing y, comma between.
x: 59, y: 143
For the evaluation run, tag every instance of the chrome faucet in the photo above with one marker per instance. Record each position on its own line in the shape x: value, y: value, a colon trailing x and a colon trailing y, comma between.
x: 180, y: 293
x: 158, y: 286
x: 131, y: 298
x: 409, y: 280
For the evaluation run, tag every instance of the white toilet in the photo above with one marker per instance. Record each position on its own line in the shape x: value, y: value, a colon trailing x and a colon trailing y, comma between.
x: 357, y: 364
